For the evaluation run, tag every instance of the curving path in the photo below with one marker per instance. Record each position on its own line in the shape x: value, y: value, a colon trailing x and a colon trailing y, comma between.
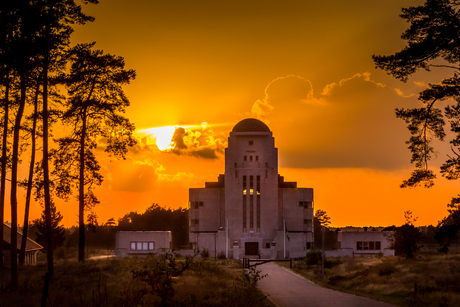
x: 285, y: 288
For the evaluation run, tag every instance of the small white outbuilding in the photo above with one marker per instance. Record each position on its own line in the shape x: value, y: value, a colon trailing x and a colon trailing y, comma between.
x: 365, y: 243
x: 142, y: 243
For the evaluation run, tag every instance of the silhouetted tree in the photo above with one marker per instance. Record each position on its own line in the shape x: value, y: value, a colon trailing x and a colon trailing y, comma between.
x: 405, y: 238
x: 57, y: 230
x: 56, y: 20
x: 449, y: 227
x: 330, y: 237
x: 432, y: 35
x: 94, y: 111
x: 322, y: 217
x: 29, y: 182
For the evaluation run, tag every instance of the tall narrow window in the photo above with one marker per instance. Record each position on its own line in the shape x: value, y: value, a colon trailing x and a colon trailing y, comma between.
x: 244, y: 204
x: 251, y: 142
x: 250, y: 158
x: 258, y: 200
x: 251, y: 202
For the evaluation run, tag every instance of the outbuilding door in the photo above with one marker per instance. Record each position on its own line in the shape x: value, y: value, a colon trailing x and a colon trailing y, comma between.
x: 251, y: 248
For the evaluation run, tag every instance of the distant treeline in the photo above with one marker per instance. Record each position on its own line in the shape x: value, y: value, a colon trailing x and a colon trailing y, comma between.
x: 155, y: 218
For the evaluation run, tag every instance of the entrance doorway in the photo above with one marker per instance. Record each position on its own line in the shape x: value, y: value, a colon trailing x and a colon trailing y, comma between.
x: 251, y: 248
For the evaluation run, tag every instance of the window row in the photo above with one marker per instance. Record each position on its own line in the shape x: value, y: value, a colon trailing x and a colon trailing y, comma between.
x: 368, y: 245
x: 196, y: 204
x: 142, y: 246
x: 308, y: 222
x: 306, y: 204
x: 194, y: 222
x: 251, y: 157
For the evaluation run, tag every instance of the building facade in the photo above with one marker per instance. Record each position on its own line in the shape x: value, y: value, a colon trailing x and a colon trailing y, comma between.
x: 251, y: 210
x: 31, y: 251
x: 142, y: 243
x: 365, y: 243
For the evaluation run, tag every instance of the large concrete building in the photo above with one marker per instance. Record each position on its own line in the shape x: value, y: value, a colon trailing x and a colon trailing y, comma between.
x: 251, y: 210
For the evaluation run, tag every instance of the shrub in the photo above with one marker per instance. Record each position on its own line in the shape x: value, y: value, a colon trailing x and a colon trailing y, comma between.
x: 313, y: 258
x: 252, y: 276
x: 385, y: 268
x: 221, y: 255
x: 330, y: 263
x: 204, y: 253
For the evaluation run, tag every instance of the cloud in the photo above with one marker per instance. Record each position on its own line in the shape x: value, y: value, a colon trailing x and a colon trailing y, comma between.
x: 366, y: 76
x: 287, y: 90
x: 200, y: 143
x: 351, y: 123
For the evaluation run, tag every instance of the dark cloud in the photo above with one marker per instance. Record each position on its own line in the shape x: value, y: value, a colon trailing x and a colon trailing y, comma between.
x: 202, y: 143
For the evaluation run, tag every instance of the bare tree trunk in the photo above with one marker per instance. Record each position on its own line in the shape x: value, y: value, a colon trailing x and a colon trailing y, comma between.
x: 4, y: 163
x: 14, y: 185
x: 81, y: 192
x: 25, y: 230
x: 46, y: 178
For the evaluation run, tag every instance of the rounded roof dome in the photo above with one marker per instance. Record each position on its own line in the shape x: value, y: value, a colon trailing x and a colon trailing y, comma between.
x: 251, y: 125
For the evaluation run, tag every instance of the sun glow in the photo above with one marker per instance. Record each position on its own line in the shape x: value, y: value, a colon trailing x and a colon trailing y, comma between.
x: 161, y: 136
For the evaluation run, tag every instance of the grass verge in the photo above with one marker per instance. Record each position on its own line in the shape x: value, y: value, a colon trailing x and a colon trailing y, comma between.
x: 110, y: 282
x: 429, y: 280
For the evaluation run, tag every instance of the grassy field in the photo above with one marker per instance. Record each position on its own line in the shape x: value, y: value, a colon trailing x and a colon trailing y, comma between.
x: 136, y: 282
x: 429, y: 280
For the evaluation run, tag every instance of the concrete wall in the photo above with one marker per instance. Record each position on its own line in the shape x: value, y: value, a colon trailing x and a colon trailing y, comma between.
x: 348, y: 241
x: 266, y: 168
x: 123, y: 239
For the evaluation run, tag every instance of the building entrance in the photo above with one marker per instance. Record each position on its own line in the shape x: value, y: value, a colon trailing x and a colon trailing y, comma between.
x: 251, y: 248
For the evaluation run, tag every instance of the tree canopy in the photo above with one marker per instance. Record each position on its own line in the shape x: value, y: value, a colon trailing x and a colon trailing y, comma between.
x: 433, y: 41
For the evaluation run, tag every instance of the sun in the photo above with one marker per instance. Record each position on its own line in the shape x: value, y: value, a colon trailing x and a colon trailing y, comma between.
x: 162, y: 136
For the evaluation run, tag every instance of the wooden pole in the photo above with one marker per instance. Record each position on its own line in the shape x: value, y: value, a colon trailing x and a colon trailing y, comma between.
x: 322, y: 260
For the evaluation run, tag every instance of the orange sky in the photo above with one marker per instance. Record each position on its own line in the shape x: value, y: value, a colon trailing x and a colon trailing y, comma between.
x: 303, y: 67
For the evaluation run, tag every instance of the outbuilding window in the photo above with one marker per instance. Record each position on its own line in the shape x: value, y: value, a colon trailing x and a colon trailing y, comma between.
x: 368, y: 245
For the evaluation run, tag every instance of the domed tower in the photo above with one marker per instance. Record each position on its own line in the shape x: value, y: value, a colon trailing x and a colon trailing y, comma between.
x: 250, y: 207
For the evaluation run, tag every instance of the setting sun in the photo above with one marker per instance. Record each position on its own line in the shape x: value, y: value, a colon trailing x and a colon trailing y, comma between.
x: 161, y: 136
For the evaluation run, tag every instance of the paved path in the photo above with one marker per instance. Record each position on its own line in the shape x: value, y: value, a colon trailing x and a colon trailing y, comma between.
x: 285, y: 288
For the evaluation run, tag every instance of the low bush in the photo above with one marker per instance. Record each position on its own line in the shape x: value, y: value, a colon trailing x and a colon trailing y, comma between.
x: 204, y: 253
x: 313, y: 258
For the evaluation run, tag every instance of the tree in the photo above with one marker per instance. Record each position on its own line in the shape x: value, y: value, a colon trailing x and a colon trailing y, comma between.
x: 448, y: 228
x: 432, y: 35
x: 94, y: 111
x: 330, y: 237
x: 323, y: 218
x: 57, y: 18
x: 33, y: 136
x: 406, y: 237
x: 57, y: 230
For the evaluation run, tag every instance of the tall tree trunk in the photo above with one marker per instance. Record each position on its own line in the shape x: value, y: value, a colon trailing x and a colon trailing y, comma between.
x: 25, y: 230
x: 81, y: 192
x: 46, y: 178
x: 14, y: 185
x: 4, y: 162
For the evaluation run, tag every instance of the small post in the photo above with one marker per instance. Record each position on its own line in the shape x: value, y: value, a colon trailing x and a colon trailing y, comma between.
x: 290, y: 264
x: 322, y: 260
x: 284, y: 238
x: 45, y: 289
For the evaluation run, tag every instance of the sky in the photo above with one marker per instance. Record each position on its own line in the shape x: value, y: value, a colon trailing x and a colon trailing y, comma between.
x: 305, y: 68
